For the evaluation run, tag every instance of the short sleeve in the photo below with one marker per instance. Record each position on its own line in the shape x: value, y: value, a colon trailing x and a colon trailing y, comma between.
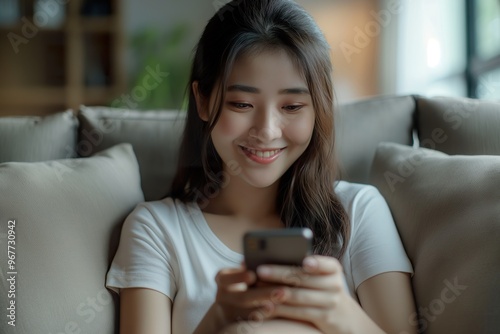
x: 143, y: 258
x: 375, y: 243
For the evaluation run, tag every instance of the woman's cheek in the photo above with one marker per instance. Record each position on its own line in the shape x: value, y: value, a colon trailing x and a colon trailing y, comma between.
x: 300, y: 131
x: 230, y: 124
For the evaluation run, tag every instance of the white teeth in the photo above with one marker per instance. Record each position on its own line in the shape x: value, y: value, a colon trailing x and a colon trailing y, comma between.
x: 260, y: 154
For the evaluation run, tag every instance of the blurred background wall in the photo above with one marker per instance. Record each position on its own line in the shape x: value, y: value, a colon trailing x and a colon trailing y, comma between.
x: 102, y: 52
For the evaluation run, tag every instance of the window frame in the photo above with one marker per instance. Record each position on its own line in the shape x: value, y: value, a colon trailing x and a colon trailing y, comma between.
x: 476, y: 67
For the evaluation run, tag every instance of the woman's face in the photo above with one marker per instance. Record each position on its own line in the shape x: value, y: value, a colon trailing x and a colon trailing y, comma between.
x: 267, y: 118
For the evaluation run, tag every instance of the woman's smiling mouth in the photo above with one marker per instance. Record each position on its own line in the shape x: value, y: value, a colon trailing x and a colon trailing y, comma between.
x: 266, y: 156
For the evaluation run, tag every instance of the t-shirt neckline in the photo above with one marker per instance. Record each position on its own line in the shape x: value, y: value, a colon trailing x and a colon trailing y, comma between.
x: 209, y: 235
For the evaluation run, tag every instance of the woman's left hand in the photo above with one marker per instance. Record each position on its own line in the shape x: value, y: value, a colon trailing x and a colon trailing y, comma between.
x: 315, y: 293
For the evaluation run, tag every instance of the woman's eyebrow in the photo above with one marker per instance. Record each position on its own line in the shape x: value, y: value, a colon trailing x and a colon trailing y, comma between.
x: 243, y: 88
x: 297, y: 91
x: 254, y: 90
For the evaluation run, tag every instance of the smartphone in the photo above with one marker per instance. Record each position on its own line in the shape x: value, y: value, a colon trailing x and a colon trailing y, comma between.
x: 288, y: 246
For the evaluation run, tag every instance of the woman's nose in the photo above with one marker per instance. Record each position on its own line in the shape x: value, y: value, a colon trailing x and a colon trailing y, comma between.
x: 267, y: 127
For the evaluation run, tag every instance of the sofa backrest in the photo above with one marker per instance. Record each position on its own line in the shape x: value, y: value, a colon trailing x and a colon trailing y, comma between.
x: 154, y: 135
x: 36, y: 138
x: 459, y: 125
x: 362, y: 125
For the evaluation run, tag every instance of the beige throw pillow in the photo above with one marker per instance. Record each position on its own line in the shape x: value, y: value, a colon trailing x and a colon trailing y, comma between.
x: 64, y: 218
x: 447, y: 210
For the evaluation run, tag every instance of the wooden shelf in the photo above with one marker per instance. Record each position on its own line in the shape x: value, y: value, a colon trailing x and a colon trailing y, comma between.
x: 86, y: 24
x: 17, y: 28
x: 32, y: 96
x: 99, y: 24
x: 100, y: 95
x: 58, y: 68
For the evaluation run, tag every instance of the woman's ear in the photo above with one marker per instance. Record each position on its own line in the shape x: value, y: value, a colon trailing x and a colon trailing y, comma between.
x: 201, y: 104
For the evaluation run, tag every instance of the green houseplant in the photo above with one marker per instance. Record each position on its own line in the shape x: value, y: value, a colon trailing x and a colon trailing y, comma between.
x: 154, y: 50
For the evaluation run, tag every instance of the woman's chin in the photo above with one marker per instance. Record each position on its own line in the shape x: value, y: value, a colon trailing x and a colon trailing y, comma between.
x: 260, y: 182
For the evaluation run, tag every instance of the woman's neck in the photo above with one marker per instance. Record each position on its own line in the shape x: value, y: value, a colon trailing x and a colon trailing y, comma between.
x: 244, y: 201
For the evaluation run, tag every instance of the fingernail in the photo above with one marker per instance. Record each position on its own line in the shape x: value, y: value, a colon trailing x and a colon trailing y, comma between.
x: 264, y: 271
x: 310, y: 263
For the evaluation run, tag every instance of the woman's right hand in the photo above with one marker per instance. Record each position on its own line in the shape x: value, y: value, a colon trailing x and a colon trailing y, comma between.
x: 237, y: 300
x: 243, y: 302
x: 240, y: 298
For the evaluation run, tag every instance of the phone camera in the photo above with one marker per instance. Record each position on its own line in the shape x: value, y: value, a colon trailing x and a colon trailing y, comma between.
x: 262, y: 244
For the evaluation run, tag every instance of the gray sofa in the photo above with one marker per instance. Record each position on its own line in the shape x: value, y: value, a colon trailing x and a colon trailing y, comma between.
x: 67, y: 182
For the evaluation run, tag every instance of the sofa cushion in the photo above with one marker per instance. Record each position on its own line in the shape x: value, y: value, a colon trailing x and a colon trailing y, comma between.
x: 154, y: 135
x: 67, y: 215
x: 362, y: 125
x: 459, y: 125
x: 36, y: 138
x: 447, y: 212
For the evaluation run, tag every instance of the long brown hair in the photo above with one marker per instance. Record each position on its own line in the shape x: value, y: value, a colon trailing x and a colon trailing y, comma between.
x: 306, y: 196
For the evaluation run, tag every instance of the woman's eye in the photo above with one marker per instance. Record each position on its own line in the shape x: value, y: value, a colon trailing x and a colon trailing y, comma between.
x: 239, y: 105
x: 293, y: 107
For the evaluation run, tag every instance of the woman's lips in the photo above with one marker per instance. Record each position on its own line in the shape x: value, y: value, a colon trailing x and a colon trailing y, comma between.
x: 262, y: 156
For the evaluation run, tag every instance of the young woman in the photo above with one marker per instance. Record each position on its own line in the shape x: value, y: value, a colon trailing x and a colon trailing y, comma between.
x: 258, y: 153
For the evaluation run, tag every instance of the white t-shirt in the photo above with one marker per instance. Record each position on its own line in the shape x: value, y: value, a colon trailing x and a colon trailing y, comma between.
x: 168, y: 246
